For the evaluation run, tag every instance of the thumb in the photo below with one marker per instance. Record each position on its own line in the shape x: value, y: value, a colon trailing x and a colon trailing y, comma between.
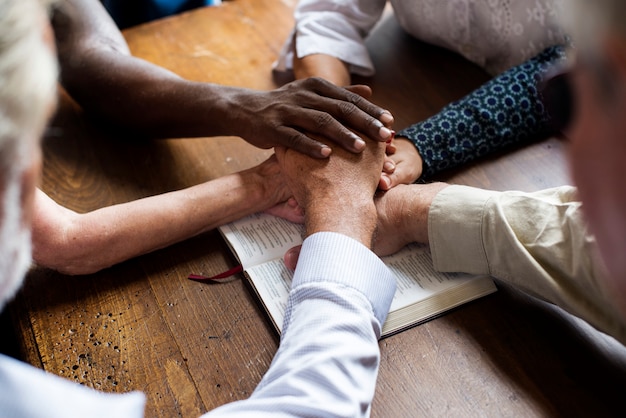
x: 291, y: 257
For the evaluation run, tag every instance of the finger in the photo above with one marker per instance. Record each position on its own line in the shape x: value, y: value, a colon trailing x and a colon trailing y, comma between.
x: 401, y: 175
x: 321, y: 123
x: 365, y: 92
x: 385, y: 182
x: 352, y: 108
x: 360, y: 89
x: 389, y: 166
x: 292, y: 138
x: 293, y: 203
x: 284, y: 210
x: 291, y: 257
x: 354, y: 117
x: 390, y: 180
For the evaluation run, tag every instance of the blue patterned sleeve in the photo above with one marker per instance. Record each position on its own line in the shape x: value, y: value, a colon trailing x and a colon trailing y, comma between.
x: 506, y: 110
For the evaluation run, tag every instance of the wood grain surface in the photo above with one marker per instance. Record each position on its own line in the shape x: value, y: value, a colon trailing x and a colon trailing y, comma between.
x: 141, y: 325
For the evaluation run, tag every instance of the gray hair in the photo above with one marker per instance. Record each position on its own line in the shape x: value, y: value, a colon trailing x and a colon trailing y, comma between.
x: 28, y: 74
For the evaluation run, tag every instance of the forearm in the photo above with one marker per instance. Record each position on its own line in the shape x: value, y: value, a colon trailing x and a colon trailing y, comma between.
x: 328, y: 358
x: 99, y: 72
x: 505, y: 111
x: 334, y: 29
x: 321, y: 65
x: 149, y: 101
x: 146, y: 99
x: 85, y: 243
x: 537, y: 242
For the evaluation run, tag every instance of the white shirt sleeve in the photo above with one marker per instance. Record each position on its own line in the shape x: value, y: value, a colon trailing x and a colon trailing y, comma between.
x: 29, y: 392
x: 326, y: 365
x: 328, y: 358
x: 336, y: 28
x: 496, y: 35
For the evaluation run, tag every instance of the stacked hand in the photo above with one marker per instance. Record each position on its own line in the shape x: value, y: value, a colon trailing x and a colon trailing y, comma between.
x: 336, y: 194
x: 339, y: 195
x: 295, y: 114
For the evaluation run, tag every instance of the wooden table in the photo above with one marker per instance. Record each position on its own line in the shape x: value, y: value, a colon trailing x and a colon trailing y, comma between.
x: 190, y: 347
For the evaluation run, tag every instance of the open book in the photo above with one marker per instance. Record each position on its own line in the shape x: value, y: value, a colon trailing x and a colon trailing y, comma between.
x: 260, y: 241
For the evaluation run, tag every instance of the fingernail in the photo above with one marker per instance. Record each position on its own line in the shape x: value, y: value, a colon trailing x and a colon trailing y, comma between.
x: 359, y: 144
x: 291, y: 258
x: 391, y: 137
x: 386, y: 182
x: 384, y: 132
x: 386, y: 118
x: 325, y: 151
x: 389, y: 166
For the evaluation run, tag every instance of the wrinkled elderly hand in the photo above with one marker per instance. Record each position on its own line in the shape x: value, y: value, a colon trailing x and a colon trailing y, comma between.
x: 297, y: 113
x: 337, y: 194
x: 403, y: 216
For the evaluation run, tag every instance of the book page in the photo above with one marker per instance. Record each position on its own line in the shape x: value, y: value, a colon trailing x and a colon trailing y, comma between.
x: 416, y: 277
x: 261, y: 237
x: 272, y: 283
x: 421, y: 291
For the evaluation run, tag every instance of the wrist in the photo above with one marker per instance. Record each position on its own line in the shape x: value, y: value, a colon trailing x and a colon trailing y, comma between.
x: 264, y: 185
x: 354, y: 219
x: 324, y: 66
x: 230, y: 111
x: 415, y: 218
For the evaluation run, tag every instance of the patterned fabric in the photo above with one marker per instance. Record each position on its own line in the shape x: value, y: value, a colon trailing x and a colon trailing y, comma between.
x: 495, y: 34
x: 505, y: 111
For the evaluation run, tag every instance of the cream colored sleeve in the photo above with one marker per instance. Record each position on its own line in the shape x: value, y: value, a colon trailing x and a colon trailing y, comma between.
x: 537, y: 242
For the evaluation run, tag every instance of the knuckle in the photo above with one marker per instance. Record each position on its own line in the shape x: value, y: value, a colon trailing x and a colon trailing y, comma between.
x: 296, y: 139
x: 293, y: 138
x: 323, y: 119
x: 346, y: 108
x: 354, y: 98
x: 314, y: 82
x: 373, y: 124
x: 281, y: 113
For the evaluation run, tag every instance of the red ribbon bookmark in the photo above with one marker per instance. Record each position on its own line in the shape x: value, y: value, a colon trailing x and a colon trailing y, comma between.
x: 218, y: 277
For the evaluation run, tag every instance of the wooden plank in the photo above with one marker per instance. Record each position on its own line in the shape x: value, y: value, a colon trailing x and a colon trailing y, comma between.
x: 190, y: 347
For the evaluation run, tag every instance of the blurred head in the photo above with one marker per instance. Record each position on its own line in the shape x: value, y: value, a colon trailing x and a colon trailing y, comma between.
x: 27, y: 95
x: 598, y: 130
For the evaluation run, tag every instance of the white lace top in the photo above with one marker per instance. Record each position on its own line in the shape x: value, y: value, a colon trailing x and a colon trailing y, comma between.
x: 495, y: 34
